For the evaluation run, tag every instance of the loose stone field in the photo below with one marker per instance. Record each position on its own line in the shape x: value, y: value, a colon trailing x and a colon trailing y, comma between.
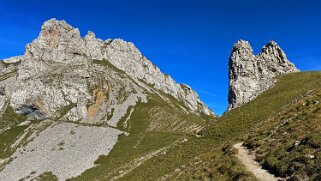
x: 65, y: 149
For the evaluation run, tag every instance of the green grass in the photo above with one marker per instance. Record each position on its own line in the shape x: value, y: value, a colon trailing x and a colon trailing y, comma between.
x: 46, y: 176
x: 7, y: 138
x: 10, y: 118
x: 232, y: 127
x: 289, y: 144
x: 108, y: 64
x: 110, y: 114
x: 9, y: 121
x: 213, y: 163
x: 236, y: 123
x: 218, y: 164
x: 139, y: 142
x: 63, y: 111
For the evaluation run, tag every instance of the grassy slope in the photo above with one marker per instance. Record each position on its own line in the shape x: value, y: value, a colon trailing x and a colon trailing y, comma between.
x: 289, y: 143
x: 9, y: 119
x: 235, y: 123
x: 214, y: 148
x: 140, y: 142
x: 207, y: 157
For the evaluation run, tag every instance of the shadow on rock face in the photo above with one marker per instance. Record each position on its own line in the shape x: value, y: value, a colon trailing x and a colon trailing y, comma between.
x: 31, y: 111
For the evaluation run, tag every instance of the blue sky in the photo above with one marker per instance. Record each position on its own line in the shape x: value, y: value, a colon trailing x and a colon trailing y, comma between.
x: 189, y: 39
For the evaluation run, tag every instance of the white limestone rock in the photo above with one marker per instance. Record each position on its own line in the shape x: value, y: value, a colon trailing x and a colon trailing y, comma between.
x: 56, y: 72
x: 125, y: 56
x: 250, y: 75
x: 15, y: 59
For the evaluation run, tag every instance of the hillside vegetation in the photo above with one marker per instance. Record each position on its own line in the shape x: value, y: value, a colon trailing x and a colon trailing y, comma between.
x: 184, y: 146
x: 289, y: 143
x: 10, y: 131
x: 146, y: 136
x: 212, y: 156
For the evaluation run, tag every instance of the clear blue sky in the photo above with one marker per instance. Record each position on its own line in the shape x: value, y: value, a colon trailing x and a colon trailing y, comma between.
x: 189, y: 39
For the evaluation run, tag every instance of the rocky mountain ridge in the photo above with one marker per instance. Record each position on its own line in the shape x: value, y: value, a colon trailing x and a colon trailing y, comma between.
x: 69, y: 100
x: 60, y: 52
x: 250, y: 75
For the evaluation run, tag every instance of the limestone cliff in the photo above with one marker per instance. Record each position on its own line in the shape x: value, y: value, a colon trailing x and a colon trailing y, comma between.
x: 250, y: 75
x: 61, y: 69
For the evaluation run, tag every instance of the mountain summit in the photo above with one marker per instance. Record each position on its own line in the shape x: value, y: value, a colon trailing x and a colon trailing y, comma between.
x: 58, y: 70
x: 250, y: 75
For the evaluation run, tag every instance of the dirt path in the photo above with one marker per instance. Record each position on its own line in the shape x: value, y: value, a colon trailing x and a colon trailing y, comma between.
x: 251, y: 165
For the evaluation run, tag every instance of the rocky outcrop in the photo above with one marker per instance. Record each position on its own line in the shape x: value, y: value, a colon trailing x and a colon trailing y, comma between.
x: 125, y: 56
x: 250, y: 75
x: 65, y: 76
x: 56, y: 78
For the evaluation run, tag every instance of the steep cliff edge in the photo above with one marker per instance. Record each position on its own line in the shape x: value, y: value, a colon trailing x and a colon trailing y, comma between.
x: 250, y: 75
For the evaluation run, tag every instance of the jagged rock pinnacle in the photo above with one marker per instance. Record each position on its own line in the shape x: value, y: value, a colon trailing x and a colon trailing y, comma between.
x: 250, y: 75
x: 242, y: 44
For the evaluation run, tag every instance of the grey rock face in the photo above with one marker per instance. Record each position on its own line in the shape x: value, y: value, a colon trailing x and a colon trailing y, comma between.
x: 8, y: 72
x: 250, y: 75
x: 64, y: 76
x: 125, y: 56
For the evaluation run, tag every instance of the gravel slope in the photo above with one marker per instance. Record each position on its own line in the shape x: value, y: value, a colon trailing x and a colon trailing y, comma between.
x: 65, y: 149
